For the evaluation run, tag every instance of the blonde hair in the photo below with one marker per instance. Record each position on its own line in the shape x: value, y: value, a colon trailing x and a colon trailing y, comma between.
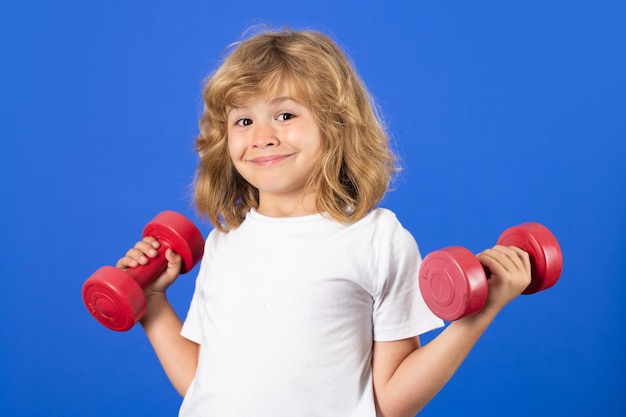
x: 357, y: 164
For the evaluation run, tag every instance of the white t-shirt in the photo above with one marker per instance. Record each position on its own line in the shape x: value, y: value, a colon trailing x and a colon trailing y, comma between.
x: 286, y: 311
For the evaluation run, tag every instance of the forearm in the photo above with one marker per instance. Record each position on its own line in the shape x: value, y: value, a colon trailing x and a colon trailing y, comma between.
x: 427, y: 369
x: 178, y: 355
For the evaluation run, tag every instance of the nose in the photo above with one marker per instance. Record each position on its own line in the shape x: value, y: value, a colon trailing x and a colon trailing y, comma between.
x: 264, y: 136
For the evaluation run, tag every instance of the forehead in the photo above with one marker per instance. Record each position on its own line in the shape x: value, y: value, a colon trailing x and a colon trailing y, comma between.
x: 278, y: 97
x: 268, y: 88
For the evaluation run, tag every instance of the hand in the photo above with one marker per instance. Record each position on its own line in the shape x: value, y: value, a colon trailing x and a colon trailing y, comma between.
x: 510, y: 271
x: 140, y: 255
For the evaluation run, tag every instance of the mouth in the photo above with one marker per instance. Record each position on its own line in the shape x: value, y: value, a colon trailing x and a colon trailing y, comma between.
x: 269, y: 160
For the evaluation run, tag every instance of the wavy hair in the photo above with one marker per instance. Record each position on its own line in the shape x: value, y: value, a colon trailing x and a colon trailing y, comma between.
x: 357, y: 164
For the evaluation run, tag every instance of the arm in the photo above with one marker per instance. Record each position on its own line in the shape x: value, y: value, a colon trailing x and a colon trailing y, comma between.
x: 178, y: 355
x: 407, y: 376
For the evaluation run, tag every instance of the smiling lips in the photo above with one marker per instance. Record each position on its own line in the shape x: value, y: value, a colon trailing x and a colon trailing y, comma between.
x: 269, y: 160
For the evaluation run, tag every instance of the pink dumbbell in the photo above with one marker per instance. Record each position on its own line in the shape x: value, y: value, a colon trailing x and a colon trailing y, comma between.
x: 453, y: 282
x: 115, y: 297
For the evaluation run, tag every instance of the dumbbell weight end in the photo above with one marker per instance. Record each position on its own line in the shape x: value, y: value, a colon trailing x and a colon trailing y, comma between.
x: 114, y: 298
x: 546, y: 257
x: 452, y: 282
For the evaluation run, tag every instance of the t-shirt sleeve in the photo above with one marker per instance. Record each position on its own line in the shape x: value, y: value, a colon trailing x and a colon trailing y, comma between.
x: 192, y: 326
x: 399, y: 308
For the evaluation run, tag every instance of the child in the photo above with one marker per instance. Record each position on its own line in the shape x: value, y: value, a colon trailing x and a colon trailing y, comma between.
x: 307, y: 301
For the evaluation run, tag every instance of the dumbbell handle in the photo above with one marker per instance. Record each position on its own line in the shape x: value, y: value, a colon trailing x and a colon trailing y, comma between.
x: 145, y: 274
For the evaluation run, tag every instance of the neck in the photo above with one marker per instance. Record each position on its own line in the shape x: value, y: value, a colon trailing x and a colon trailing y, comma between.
x: 274, y: 206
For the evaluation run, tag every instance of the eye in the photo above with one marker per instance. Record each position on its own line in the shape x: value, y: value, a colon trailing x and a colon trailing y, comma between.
x: 285, y: 116
x: 243, y: 122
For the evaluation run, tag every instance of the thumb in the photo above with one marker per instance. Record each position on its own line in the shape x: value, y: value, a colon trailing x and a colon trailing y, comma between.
x: 174, y: 262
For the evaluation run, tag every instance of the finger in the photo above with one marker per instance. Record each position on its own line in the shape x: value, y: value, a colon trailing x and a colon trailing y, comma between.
x: 174, y: 262
x: 142, y: 251
x: 126, y: 262
x: 152, y: 242
x: 516, y: 259
x: 491, y: 264
x: 496, y: 261
x: 508, y: 257
x: 139, y: 254
x: 510, y: 263
x: 134, y: 257
x: 148, y: 247
x: 523, y: 257
x: 172, y: 257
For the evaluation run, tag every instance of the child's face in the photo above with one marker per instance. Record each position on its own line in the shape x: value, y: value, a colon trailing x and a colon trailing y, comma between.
x: 275, y: 145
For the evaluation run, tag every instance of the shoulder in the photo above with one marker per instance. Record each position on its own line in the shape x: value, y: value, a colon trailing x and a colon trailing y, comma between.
x: 379, y: 219
x: 385, y: 224
x: 380, y: 214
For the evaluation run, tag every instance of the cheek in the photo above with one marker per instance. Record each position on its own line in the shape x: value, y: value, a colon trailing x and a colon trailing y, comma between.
x: 234, y: 158
x: 234, y: 148
x: 321, y: 145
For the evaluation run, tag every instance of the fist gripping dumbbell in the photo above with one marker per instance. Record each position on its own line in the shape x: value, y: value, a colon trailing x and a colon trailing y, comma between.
x: 115, y: 297
x: 453, y: 282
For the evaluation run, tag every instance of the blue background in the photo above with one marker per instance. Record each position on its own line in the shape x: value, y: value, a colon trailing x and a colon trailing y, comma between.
x: 503, y: 112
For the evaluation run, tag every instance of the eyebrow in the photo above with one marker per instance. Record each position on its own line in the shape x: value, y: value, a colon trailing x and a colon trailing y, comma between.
x: 284, y: 98
x: 272, y: 101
